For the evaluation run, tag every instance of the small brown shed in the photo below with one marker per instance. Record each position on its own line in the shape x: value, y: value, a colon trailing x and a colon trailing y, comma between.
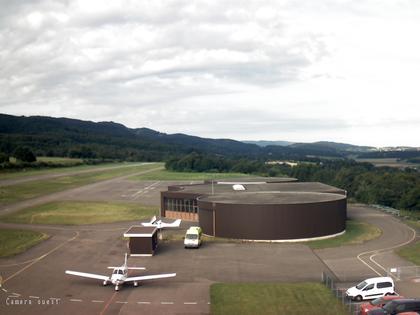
x: 143, y: 240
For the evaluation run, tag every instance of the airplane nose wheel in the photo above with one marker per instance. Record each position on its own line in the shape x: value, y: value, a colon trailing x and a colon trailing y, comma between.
x: 105, y: 283
x: 136, y: 284
x: 117, y: 288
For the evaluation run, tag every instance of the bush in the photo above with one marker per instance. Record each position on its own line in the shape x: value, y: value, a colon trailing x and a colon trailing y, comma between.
x: 24, y: 154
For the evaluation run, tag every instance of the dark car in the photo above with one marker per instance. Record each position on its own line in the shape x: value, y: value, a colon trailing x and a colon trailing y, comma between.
x: 397, y: 307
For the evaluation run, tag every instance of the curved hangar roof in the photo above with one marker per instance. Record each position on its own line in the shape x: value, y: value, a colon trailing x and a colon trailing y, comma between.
x: 271, y: 198
x: 273, y: 216
x: 264, y: 210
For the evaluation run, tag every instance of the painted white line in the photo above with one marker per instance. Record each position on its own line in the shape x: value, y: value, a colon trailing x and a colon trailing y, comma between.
x: 166, y: 303
x: 76, y: 300
x: 97, y: 301
x: 141, y: 302
x: 190, y: 303
x: 383, y: 250
x: 34, y: 297
x: 4, y: 290
x: 15, y: 294
x: 120, y: 302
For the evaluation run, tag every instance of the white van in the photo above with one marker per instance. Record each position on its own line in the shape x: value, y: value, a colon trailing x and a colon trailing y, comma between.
x: 193, y: 237
x: 371, y: 288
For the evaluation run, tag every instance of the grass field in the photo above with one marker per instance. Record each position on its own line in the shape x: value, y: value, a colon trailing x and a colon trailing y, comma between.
x: 79, y: 213
x: 13, y: 242
x: 27, y: 190
x: 411, y: 252
x: 169, y: 175
x: 273, y: 299
x: 356, y: 233
x: 18, y: 173
x: 391, y: 162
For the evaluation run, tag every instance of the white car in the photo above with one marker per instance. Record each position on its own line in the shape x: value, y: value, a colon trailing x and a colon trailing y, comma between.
x: 371, y: 288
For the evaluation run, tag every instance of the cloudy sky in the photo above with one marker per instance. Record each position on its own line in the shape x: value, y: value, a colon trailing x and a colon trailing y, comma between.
x: 337, y: 70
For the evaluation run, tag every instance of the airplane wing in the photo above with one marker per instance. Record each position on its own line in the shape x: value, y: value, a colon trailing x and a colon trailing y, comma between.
x: 151, y: 277
x: 176, y: 223
x: 133, y: 268
x: 87, y: 275
x: 153, y: 220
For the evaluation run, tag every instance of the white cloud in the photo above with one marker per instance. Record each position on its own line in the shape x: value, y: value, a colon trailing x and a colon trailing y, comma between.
x: 293, y: 70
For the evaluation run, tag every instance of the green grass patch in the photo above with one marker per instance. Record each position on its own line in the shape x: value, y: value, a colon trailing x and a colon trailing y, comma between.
x: 411, y: 252
x: 27, y: 190
x: 357, y: 232
x: 412, y: 218
x: 273, y: 298
x: 18, y: 173
x: 170, y: 175
x: 13, y: 242
x: 79, y: 213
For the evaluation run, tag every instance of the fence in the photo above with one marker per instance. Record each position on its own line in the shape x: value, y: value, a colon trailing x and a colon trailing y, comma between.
x: 386, y: 209
x: 340, y: 294
x: 404, y: 273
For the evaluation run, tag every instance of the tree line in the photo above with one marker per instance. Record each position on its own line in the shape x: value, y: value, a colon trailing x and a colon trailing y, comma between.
x: 363, y: 182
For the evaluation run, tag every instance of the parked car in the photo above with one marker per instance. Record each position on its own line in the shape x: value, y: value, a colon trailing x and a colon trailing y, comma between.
x: 193, y: 237
x: 397, y: 307
x: 378, y: 303
x: 371, y: 288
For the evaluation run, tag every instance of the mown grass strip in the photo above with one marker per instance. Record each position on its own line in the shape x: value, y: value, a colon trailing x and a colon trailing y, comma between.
x: 27, y: 190
x: 411, y: 252
x: 13, y: 242
x: 273, y: 298
x: 170, y: 175
x: 80, y: 213
x: 357, y: 232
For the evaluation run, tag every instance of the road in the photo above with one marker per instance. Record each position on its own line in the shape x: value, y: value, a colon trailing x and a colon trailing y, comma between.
x: 35, y: 282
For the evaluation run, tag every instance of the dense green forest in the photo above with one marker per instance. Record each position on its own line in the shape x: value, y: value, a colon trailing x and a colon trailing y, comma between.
x: 63, y: 137
x: 363, y: 182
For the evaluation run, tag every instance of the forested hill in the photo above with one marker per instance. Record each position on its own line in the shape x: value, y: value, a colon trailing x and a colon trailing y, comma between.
x: 64, y: 137
x: 50, y: 136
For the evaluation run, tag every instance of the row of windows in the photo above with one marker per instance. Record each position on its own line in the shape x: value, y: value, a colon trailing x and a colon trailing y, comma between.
x: 181, y: 205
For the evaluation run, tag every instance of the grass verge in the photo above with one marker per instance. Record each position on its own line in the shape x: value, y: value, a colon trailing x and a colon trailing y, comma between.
x: 357, y: 232
x: 273, y: 298
x: 80, y: 213
x: 13, y: 242
x: 170, y: 175
x: 411, y: 252
x: 27, y: 190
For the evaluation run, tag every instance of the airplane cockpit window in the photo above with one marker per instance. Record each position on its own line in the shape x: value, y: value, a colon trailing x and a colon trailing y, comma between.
x: 120, y: 272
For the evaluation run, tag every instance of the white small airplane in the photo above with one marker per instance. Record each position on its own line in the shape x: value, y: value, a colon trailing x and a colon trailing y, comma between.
x: 160, y: 225
x: 120, y: 275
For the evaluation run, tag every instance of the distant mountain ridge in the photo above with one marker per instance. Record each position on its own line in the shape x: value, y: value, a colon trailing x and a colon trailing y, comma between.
x: 49, y: 136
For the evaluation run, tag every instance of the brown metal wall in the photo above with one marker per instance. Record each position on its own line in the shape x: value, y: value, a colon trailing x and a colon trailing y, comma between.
x: 274, y: 222
x: 143, y: 245
x: 205, y: 219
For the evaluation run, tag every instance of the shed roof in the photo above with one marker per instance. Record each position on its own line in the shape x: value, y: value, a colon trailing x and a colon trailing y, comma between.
x: 140, y: 231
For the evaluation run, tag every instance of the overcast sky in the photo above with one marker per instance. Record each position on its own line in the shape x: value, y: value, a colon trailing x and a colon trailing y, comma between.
x: 303, y: 71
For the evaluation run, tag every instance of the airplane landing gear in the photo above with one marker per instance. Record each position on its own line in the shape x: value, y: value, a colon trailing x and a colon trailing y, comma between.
x: 105, y: 282
x: 117, y: 288
x: 136, y: 284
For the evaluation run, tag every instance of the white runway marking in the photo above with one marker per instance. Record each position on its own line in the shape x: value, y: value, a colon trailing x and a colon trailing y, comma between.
x: 190, y: 303
x: 4, y: 290
x: 76, y: 300
x: 97, y: 301
x: 166, y: 303
x: 34, y: 297
x: 141, y: 302
x: 119, y: 302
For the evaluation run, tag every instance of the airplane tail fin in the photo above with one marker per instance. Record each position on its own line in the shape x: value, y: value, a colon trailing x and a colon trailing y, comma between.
x: 153, y: 219
x: 125, y: 260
